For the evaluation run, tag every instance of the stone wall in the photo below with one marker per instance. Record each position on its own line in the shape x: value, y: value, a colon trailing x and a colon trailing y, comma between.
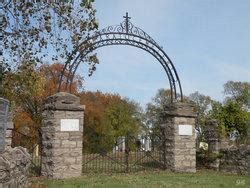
x: 14, y: 162
x: 235, y: 160
x: 14, y: 167
x: 62, y: 150
x: 180, y: 149
x: 220, y: 155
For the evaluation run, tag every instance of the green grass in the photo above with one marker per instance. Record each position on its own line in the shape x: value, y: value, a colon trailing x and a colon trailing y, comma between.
x: 159, y: 179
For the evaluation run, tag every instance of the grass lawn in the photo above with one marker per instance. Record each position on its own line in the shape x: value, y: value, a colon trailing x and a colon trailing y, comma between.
x: 148, y: 179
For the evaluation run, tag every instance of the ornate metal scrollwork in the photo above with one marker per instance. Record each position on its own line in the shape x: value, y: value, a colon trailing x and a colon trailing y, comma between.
x: 127, y: 34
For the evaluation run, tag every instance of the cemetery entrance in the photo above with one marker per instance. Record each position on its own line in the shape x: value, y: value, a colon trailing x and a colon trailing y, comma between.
x: 169, y: 146
x: 127, y: 153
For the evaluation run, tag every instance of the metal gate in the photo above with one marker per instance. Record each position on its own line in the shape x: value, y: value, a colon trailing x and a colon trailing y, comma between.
x: 128, y: 154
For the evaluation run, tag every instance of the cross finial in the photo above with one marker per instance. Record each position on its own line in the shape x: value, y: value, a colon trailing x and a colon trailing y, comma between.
x: 127, y: 21
x: 127, y: 17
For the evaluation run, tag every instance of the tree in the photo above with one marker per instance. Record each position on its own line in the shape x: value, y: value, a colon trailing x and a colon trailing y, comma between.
x: 123, y: 119
x: 202, y: 106
x: 51, y: 74
x: 3, y: 71
x: 233, y: 120
x: 156, y: 106
x: 238, y: 91
x: 233, y: 115
x: 27, y: 88
x: 42, y: 31
x: 24, y: 88
x: 162, y: 98
x: 108, y: 117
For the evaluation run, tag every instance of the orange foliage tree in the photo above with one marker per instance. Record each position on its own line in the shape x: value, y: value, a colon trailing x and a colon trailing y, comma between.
x: 27, y: 88
x: 108, y: 117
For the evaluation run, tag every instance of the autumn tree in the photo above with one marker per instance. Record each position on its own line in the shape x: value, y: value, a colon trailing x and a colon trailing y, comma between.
x: 42, y: 31
x: 27, y: 88
x: 108, y: 117
x: 51, y: 74
x: 38, y: 32
x: 94, y: 131
x: 24, y: 88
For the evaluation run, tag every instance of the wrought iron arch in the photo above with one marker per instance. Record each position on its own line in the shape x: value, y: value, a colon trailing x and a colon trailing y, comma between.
x: 126, y: 34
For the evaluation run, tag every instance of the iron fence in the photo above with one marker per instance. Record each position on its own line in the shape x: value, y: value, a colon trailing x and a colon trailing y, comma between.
x: 129, y: 154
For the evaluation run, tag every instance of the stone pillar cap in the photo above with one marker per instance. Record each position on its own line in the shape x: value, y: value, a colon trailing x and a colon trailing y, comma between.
x: 63, y: 101
x: 181, y: 109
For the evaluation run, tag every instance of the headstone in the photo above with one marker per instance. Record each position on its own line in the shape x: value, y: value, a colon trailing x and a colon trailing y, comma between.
x: 147, y: 144
x: 121, y: 143
x: 178, y: 123
x: 62, y: 134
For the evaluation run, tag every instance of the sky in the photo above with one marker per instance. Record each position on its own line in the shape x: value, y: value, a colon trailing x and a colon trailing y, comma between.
x: 208, y: 41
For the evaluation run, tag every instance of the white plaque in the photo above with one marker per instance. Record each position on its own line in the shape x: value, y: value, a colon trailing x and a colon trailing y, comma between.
x: 186, y: 130
x: 69, y: 124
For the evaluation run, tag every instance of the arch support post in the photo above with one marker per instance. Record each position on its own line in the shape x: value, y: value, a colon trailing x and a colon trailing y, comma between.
x: 62, y: 134
x: 178, y: 123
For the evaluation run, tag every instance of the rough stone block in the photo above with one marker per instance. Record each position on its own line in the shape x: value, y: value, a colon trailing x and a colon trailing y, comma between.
x: 69, y: 160
x: 62, y: 135
x: 76, y: 153
x: 68, y: 144
x: 14, y: 167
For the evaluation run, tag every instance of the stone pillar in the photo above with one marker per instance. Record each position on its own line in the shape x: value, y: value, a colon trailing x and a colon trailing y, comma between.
x: 4, y: 111
x: 178, y: 123
x: 62, y: 134
x: 212, y: 137
x: 8, y: 135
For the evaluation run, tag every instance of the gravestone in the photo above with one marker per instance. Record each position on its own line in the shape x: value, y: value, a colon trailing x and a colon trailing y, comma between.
x: 14, y: 162
x: 62, y: 134
x: 4, y: 105
x: 178, y: 124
